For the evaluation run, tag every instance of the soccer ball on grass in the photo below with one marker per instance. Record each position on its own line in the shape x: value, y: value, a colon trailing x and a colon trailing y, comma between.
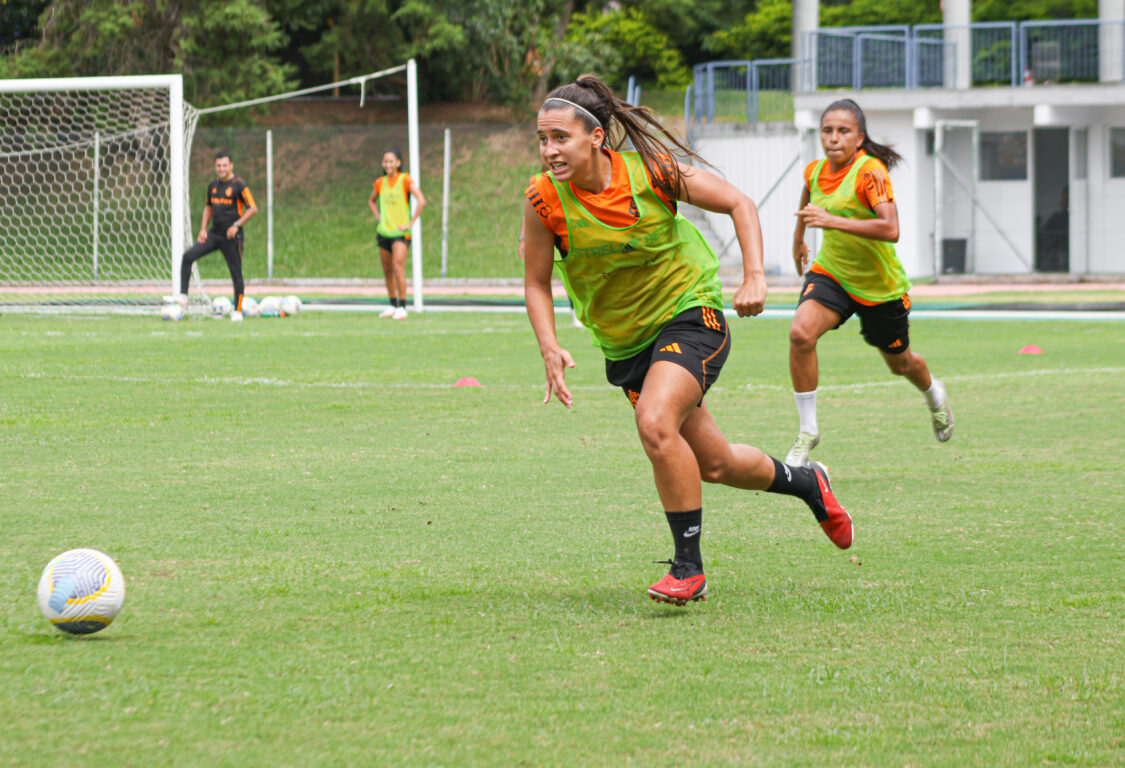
x: 291, y: 305
x: 172, y: 312
x: 221, y: 306
x: 270, y: 306
x: 81, y: 591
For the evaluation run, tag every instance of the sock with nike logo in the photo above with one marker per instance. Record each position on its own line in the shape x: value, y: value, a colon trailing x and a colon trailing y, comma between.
x: 793, y: 481
x: 687, y: 527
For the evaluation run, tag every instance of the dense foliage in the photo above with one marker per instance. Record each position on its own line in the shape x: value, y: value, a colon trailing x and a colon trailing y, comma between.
x: 503, y: 51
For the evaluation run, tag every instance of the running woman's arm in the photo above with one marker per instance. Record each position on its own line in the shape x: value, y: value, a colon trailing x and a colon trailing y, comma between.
x: 706, y: 190
x: 800, y: 247
x: 883, y: 227
x: 538, y: 262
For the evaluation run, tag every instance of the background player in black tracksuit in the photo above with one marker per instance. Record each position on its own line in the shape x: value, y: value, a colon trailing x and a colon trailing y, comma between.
x: 229, y: 206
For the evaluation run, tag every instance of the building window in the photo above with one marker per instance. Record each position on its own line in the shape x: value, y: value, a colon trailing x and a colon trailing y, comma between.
x: 1117, y: 153
x: 1003, y: 156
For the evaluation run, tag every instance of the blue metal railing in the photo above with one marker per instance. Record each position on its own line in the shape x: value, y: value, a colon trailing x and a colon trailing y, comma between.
x: 923, y: 56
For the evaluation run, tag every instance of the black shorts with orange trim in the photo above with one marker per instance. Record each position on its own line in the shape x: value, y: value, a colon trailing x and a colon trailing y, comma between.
x: 697, y: 339
x: 387, y: 243
x: 885, y: 326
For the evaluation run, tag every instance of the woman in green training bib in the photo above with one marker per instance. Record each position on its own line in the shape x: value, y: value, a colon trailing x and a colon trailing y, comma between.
x: 390, y: 202
x: 848, y: 194
x: 645, y: 283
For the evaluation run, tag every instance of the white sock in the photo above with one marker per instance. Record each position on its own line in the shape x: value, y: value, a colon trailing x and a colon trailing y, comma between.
x: 935, y: 395
x: 806, y: 409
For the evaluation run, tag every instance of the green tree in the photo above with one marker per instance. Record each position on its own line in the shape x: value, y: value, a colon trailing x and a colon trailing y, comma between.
x: 1025, y: 10
x: 625, y: 43
x: 99, y: 37
x: 339, y: 38
x: 688, y: 23
x: 227, y: 53
x: 860, y: 13
x: 500, y: 50
x: 763, y: 34
x: 18, y: 21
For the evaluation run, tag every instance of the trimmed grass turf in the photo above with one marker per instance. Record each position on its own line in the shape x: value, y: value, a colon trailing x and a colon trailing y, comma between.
x: 334, y: 557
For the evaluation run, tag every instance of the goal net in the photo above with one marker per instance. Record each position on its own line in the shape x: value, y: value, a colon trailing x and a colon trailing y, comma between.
x: 92, y: 191
x: 96, y: 195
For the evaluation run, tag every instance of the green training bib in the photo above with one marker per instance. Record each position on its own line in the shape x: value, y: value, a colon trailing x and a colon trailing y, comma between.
x: 867, y: 269
x: 627, y: 283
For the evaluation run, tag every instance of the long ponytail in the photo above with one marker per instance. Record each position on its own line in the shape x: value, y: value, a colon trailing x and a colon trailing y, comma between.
x: 882, y: 152
x: 624, y: 122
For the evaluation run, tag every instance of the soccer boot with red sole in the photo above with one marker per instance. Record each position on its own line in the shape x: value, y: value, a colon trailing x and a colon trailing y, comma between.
x: 831, y: 515
x: 683, y: 584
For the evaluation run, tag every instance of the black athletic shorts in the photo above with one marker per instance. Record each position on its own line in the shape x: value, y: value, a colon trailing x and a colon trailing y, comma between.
x: 696, y: 339
x: 885, y: 326
x: 386, y: 243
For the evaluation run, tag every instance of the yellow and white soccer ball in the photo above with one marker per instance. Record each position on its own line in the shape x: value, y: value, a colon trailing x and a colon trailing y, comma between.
x: 81, y: 591
x: 221, y: 306
x: 291, y: 305
x: 172, y: 311
x: 249, y: 306
x: 270, y: 306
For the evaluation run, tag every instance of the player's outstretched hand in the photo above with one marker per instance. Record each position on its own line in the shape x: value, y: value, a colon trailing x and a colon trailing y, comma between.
x: 555, y: 365
x: 750, y: 298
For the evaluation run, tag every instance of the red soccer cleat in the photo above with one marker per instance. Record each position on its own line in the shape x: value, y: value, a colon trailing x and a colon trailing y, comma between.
x: 833, y: 518
x: 683, y: 584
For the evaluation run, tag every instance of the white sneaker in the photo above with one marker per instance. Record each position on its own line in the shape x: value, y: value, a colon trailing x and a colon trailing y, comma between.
x: 177, y: 298
x: 942, y: 420
x: 399, y: 313
x: 236, y: 316
x: 798, y: 455
x: 388, y: 312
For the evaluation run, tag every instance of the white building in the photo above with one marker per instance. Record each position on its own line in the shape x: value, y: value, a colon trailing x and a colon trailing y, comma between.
x: 1026, y: 179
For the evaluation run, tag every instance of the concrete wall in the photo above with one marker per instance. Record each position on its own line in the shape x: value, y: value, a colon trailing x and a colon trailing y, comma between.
x: 756, y: 159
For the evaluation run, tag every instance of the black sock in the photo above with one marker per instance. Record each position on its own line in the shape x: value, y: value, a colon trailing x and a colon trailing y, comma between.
x: 394, y: 301
x: 687, y: 527
x: 793, y: 481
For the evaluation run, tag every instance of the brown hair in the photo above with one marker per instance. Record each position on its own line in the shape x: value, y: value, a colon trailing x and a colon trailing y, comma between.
x: 623, y: 122
x: 885, y: 154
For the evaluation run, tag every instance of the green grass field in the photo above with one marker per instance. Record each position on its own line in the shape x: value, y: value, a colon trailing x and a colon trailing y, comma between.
x: 336, y: 558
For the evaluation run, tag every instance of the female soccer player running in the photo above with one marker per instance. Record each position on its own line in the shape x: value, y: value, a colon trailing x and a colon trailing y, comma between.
x: 645, y: 283
x: 848, y: 194
x: 390, y: 202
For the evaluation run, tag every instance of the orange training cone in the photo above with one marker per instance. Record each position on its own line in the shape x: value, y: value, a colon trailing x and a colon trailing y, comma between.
x: 467, y: 381
x: 1031, y: 349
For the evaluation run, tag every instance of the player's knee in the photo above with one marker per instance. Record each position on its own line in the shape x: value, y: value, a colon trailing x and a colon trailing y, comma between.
x: 802, y: 336
x: 655, y: 430
x: 899, y: 364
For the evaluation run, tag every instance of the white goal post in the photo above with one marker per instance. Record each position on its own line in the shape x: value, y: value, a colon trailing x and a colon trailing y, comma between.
x: 93, y: 190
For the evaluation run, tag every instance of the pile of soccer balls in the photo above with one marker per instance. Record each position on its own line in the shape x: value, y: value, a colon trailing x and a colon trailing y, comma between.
x: 223, y: 307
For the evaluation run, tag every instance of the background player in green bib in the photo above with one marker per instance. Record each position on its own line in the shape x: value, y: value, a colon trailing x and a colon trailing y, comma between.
x: 848, y: 195
x: 390, y: 202
x: 645, y: 283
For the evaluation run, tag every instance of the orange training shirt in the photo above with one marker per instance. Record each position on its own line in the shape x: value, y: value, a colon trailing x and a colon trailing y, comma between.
x: 613, y: 206
x: 872, y: 185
